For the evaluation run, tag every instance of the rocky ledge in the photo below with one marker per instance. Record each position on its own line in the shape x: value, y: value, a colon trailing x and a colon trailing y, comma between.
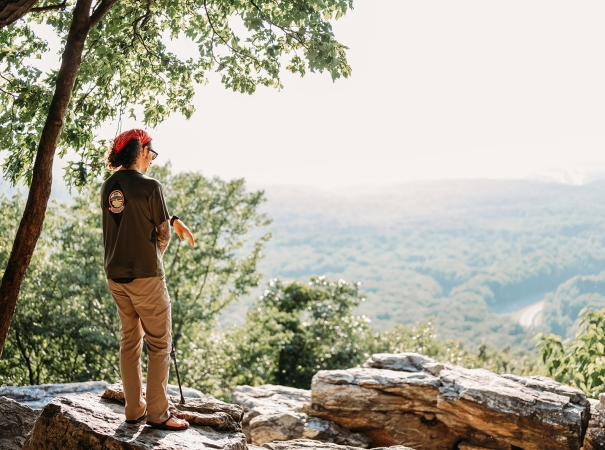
x: 92, y: 422
x: 276, y: 413
x: 409, y: 399
x: 393, y: 401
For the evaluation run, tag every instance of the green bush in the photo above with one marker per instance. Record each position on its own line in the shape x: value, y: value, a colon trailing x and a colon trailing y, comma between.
x: 292, y: 331
x: 296, y: 329
x: 578, y: 362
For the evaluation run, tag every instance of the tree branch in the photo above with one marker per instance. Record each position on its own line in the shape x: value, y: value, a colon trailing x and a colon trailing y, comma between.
x: 82, y: 99
x: 142, y: 20
x: 211, y: 312
x: 100, y: 11
x: 138, y: 36
x: 13, y: 10
x: 14, y: 96
x: 287, y: 31
x: 25, y: 356
x: 50, y: 7
x: 214, y: 31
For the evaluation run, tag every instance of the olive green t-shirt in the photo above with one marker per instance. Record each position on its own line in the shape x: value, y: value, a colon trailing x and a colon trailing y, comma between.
x: 133, y: 206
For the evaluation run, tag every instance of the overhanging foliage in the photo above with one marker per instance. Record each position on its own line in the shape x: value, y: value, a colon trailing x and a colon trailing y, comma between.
x: 126, y: 68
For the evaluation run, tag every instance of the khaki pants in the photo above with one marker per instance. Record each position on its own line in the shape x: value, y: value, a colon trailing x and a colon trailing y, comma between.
x: 144, y: 308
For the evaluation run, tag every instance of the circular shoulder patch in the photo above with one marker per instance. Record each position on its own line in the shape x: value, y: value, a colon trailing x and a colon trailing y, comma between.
x: 116, y: 202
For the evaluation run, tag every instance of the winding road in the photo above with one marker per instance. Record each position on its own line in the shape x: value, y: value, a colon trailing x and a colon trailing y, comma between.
x: 531, y: 315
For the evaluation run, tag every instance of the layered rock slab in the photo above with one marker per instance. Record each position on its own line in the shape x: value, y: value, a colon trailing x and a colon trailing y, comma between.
x: 16, y: 421
x: 277, y: 413
x: 410, y: 399
x: 91, y: 422
x: 595, y: 434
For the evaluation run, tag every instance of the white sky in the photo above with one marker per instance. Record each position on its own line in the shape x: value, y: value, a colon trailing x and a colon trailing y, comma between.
x: 440, y: 89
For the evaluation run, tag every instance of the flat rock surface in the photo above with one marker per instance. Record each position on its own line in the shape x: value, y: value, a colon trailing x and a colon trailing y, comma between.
x: 89, y: 422
x: 410, y: 399
x: 206, y: 411
x: 16, y: 421
x: 39, y: 395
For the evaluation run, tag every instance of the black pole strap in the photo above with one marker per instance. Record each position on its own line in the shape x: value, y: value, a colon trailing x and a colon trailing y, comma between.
x: 173, y: 354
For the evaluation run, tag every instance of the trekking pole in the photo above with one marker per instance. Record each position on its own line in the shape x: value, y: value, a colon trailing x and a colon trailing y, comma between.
x: 178, y: 378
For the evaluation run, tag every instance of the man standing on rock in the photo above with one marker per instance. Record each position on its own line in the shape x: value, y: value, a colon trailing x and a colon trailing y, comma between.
x: 136, y: 233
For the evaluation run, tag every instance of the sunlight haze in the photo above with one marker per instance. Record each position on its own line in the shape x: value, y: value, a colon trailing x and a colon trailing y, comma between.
x: 440, y: 90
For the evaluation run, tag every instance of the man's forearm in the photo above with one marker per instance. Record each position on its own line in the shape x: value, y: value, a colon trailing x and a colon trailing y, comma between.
x: 164, y: 236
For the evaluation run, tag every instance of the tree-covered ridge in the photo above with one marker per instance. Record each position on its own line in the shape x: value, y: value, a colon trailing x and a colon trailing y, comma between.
x: 464, y: 252
x: 563, y: 307
x: 67, y: 328
x: 461, y: 252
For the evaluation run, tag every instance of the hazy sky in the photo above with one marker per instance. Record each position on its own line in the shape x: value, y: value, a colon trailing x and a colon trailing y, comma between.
x: 440, y: 89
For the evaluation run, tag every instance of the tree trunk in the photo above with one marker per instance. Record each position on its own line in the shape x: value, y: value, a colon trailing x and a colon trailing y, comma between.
x: 13, y: 10
x: 39, y: 192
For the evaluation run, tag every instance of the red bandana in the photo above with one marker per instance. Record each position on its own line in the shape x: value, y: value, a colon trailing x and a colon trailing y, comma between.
x: 124, y: 138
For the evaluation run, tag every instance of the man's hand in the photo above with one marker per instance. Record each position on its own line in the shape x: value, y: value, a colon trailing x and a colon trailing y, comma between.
x: 181, y: 231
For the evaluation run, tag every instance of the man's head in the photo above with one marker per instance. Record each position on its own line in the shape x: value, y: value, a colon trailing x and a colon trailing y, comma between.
x: 131, y: 149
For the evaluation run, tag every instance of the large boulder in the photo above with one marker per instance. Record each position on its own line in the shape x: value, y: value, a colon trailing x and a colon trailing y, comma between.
x: 409, y: 399
x: 276, y: 413
x: 16, y: 421
x: 90, y: 422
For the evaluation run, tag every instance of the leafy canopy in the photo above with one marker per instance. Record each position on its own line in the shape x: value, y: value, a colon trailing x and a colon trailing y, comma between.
x: 127, y: 69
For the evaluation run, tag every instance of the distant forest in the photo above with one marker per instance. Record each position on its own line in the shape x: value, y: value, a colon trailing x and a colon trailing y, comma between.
x: 471, y: 254
x: 468, y: 272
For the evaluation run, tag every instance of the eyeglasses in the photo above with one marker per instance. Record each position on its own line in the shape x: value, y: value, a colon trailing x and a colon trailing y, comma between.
x: 155, y: 154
